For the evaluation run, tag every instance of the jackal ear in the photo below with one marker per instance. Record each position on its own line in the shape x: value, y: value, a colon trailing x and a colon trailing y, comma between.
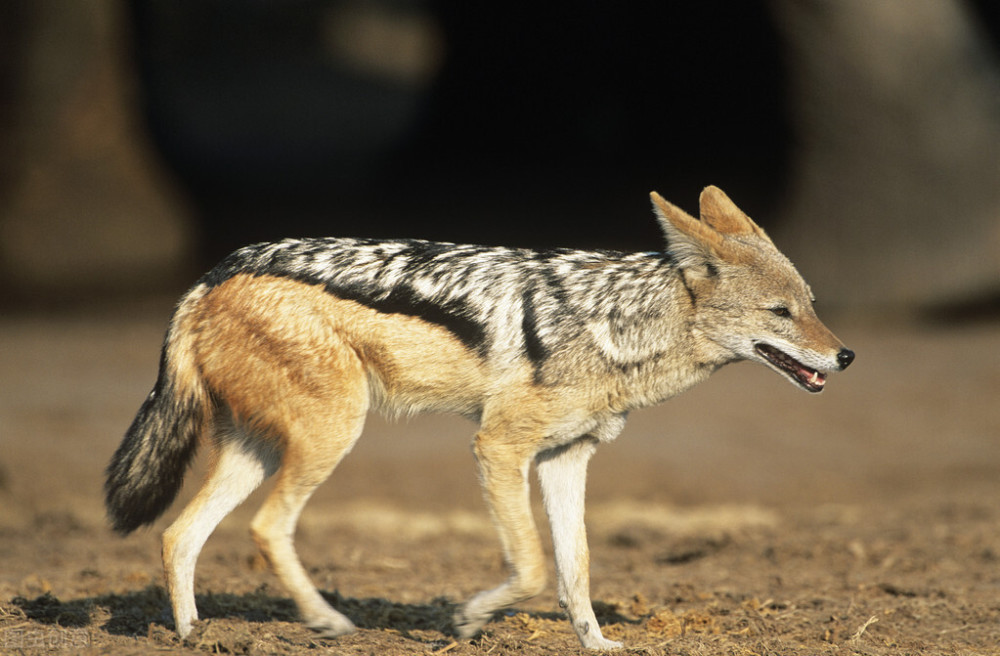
x: 694, y: 244
x: 718, y: 211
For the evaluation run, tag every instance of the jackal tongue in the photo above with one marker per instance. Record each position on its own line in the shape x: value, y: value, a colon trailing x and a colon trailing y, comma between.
x: 807, y: 377
x: 810, y: 377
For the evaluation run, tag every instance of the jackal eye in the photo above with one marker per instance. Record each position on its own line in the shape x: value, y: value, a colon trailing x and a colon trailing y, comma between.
x: 781, y: 311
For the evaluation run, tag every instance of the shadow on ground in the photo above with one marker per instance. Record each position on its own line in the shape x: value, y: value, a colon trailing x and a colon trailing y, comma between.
x: 146, y: 613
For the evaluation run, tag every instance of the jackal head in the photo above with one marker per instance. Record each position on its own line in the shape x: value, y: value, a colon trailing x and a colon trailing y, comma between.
x: 749, y: 300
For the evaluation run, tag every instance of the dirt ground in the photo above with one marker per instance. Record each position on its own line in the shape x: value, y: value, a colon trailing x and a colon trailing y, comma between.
x: 744, y: 517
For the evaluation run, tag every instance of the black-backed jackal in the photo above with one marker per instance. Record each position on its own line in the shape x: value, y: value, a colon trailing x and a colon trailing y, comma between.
x: 275, y: 357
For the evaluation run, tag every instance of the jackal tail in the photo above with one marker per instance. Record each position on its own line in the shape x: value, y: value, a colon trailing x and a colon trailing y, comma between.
x: 147, y: 470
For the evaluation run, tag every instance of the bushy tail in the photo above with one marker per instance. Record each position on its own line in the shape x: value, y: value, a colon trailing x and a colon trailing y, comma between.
x: 148, y: 468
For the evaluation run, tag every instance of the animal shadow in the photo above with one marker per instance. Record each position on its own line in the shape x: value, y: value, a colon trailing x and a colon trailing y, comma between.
x: 136, y: 614
x: 146, y: 613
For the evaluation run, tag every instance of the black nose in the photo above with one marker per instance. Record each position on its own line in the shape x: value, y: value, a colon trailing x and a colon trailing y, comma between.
x: 845, y: 357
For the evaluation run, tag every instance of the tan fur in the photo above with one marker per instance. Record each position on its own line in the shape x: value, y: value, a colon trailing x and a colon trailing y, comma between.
x: 181, y: 348
x: 686, y: 223
x: 718, y: 211
x: 264, y: 338
x: 721, y: 227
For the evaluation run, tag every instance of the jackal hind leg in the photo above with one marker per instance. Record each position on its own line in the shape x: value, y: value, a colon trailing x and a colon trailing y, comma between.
x: 562, y: 476
x: 314, y: 443
x: 239, y: 465
x: 503, y: 471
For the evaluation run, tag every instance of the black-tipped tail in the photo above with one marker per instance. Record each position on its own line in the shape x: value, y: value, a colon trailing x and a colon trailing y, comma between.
x: 148, y: 468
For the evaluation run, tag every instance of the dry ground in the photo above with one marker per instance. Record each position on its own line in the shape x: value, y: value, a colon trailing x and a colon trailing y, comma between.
x: 745, y: 517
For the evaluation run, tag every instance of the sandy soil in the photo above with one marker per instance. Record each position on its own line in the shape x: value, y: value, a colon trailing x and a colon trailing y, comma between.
x: 745, y: 517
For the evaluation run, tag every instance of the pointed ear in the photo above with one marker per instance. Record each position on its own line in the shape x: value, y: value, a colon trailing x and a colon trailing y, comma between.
x: 718, y: 211
x: 693, y: 244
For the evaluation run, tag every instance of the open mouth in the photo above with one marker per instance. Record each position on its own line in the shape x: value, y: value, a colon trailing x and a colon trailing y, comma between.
x: 809, y: 379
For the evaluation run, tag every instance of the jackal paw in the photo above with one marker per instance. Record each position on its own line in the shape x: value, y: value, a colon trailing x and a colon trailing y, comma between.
x: 469, y: 621
x: 331, y: 625
x: 184, y: 628
x: 601, y: 643
x: 590, y: 636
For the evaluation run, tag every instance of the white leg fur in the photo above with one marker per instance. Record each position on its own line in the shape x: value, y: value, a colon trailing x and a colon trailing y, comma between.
x: 238, y: 470
x: 562, y: 474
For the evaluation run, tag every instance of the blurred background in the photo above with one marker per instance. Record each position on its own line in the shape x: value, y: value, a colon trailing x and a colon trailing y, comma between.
x: 141, y: 141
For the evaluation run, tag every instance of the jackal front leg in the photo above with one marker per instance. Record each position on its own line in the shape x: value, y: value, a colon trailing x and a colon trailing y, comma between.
x: 503, y: 472
x: 562, y: 474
